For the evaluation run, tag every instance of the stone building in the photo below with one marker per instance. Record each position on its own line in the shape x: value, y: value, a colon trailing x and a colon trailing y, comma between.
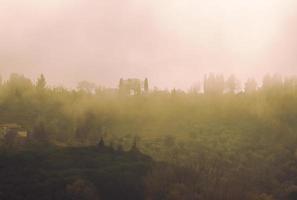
x: 133, y: 86
x: 13, y: 134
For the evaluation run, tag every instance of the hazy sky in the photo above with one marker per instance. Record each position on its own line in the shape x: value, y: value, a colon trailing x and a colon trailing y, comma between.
x: 172, y: 42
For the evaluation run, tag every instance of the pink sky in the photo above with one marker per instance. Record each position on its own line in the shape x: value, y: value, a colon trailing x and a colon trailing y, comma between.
x: 172, y: 42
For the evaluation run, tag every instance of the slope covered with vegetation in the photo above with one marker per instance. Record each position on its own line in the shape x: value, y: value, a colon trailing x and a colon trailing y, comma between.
x: 72, y: 173
x: 222, y: 144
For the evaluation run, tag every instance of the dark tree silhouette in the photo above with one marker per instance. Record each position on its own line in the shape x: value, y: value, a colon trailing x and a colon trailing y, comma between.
x: 250, y: 86
x: 41, y: 82
x: 146, y: 85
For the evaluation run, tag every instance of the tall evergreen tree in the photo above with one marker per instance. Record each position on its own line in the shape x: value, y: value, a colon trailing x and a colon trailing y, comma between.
x: 250, y: 86
x: 146, y: 85
x: 41, y: 82
x: 232, y: 84
x: 121, y: 87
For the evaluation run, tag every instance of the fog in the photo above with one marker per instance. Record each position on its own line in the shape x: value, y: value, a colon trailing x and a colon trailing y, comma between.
x: 172, y: 42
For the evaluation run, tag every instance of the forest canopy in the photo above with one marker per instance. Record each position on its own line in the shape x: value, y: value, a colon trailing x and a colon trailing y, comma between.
x: 238, y: 142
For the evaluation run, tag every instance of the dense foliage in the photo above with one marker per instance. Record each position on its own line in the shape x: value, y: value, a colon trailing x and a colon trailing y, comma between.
x: 72, y: 173
x: 222, y: 144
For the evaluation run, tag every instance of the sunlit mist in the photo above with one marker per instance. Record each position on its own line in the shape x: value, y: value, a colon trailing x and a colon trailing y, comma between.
x: 173, y: 42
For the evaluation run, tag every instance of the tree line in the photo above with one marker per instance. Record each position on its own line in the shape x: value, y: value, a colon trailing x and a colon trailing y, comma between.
x: 225, y: 143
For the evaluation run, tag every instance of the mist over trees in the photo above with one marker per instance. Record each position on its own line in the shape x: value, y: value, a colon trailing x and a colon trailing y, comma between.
x: 229, y: 141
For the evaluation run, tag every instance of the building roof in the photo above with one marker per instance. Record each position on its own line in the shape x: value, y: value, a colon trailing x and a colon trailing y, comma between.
x: 10, y: 125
